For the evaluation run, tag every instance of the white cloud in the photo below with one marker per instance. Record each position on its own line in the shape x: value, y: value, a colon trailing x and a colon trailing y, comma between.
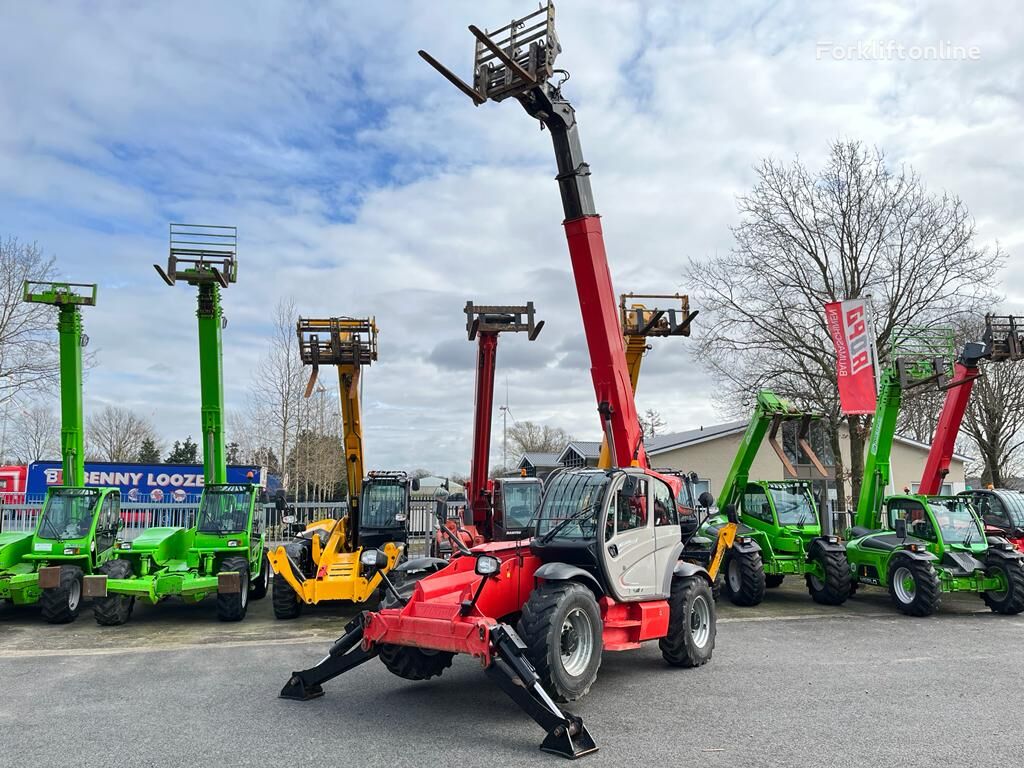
x: 362, y: 183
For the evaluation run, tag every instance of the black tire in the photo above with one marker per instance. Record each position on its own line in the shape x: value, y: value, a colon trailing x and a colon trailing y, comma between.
x: 1010, y: 602
x: 286, y: 603
x: 919, y: 597
x: 716, y: 588
x: 262, y: 582
x: 835, y: 587
x: 561, y: 620
x: 114, y: 610
x: 62, y: 604
x: 691, y: 623
x: 744, y: 577
x: 232, y: 606
x: 854, y: 586
x: 773, y: 580
x: 414, y: 663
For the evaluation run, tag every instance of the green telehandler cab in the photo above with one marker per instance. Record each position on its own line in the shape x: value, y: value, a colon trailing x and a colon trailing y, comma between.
x: 920, y: 546
x: 223, y: 553
x: 76, y: 528
x: 780, y: 533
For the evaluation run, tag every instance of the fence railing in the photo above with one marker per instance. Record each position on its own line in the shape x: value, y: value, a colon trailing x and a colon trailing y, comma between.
x: 138, y: 517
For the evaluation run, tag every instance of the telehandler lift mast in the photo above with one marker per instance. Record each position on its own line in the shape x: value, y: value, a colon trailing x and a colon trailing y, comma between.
x: 569, y: 586
x: 323, y: 563
x: 222, y: 554
x: 75, y: 532
x: 1002, y: 341
x: 484, y: 324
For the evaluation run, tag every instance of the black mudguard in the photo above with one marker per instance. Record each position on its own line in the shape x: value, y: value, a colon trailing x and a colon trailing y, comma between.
x: 566, y: 572
x: 824, y: 545
x: 1007, y: 552
x: 684, y: 569
x: 746, y: 545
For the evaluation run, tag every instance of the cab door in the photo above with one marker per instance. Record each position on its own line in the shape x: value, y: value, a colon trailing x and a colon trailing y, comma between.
x: 109, y: 522
x: 629, y: 540
x: 668, y: 536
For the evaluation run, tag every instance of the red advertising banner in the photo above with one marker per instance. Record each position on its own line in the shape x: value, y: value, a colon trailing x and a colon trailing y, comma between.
x: 848, y: 326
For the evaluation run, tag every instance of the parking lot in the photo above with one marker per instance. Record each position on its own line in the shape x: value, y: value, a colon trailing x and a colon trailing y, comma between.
x: 791, y: 683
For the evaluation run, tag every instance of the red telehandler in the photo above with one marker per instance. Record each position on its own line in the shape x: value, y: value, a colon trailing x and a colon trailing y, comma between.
x: 500, y: 508
x: 1001, y: 510
x: 603, y: 569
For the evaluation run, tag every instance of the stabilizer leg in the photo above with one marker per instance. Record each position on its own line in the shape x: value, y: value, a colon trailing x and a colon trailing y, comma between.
x: 512, y: 671
x: 345, y: 654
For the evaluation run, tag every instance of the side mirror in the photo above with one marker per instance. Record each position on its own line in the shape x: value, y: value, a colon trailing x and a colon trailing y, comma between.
x: 373, y: 560
x: 121, y: 524
x: 629, y: 486
x: 706, y: 500
x: 415, y: 483
x: 901, y: 528
x: 730, y: 513
x: 288, y: 519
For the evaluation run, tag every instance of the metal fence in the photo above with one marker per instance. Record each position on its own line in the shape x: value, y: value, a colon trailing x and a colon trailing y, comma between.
x: 138, y: 517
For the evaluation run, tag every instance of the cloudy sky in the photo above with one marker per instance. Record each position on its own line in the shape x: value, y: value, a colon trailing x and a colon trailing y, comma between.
x: 363, y: 183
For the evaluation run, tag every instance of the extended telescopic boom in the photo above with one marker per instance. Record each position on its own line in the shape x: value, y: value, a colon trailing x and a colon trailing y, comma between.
x: 203, y: 255
x: 518, y: 61
x: 68, y: 297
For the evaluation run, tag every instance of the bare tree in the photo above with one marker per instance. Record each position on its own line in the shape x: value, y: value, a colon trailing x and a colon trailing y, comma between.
x: 117, y: 434
x: 854, y: 229
x: 28, y: 353
x: 651, y: 423
x: 995, y: 420
x: 528, y: 437
x: 36, y: 435
x: 276, y: 399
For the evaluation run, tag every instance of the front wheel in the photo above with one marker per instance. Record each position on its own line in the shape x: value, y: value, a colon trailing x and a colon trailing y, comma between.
x: 284, y: 599
x: 1008, y: 601
x: 691, y: 623
x: 561, y: 626
x: 61, y: 604
x: 914, y: 586
x: 232, y: 606
x: 744, y: 577
x: 414, y: 663
x: 832, y: 587
x: 114, y: 610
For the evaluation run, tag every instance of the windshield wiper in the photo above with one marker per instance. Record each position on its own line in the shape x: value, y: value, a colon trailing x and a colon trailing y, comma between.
x: 49, y: 524
x: 577, y: 515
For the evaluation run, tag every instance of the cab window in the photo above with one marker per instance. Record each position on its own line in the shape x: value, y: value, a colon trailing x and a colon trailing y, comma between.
x: 756, y: 504
x: 918, y: 522
x: 664, y: 507
x: 991, y: 511
x: 111, y: 513
x: 631, y: 505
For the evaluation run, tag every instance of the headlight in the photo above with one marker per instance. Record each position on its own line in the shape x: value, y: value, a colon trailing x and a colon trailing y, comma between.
x: 374, y: 559
x: 70, y: 550
x: 486, y: 565
x: 232, y: 542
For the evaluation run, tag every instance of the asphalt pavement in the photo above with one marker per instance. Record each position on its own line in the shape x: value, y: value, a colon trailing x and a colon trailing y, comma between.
x: 791, y: 683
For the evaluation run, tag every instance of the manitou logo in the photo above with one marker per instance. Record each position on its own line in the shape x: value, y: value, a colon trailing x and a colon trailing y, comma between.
x: 858, y: 343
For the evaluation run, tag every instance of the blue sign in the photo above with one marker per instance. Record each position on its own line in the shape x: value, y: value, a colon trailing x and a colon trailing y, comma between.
x: 152, y: 483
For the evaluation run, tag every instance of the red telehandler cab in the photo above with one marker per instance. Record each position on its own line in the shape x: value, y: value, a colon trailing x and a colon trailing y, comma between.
x: 603, y: 570
x: 1001, y: 510
x: 500, y: 508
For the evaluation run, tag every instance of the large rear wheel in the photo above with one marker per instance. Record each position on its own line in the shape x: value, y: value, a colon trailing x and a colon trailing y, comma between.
x: 561, y: 626
x: 61, y: 604
x: 691, y: 623
x: 1008, y: 601
x: 286, y: 603
x: 832, y: 587
x: 914, y: 586
x: 744, y: 577
x: 114, y: 610
x: 232, y: 606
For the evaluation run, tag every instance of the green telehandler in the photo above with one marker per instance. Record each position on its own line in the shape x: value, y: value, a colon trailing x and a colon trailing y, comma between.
x: 223, y: 553
x: 780, y: 533
x: 76, y: 528
x: 919, y: 546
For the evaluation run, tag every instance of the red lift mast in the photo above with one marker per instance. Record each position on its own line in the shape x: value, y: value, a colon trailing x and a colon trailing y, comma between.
x: 1003, y: 340
x: 484, y: 323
